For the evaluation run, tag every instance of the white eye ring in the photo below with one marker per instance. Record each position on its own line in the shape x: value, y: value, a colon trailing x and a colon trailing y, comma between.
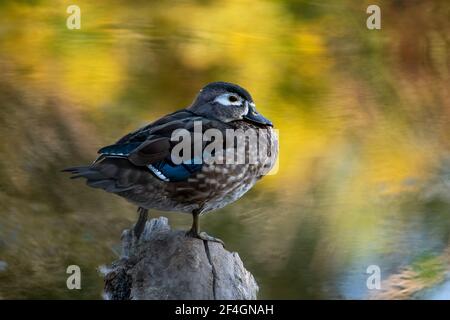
x: 226, y: 99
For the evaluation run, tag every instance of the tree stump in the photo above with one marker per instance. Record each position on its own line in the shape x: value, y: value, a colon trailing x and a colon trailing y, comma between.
x: 165, y: 264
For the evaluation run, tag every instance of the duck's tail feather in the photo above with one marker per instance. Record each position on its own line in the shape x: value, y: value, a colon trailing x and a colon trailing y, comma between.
x: 84, y: 172
x: 107, y: 175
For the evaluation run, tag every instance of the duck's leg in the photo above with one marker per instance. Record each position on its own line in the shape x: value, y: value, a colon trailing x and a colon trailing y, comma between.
x: 194, y: 232
x: 140, y: 224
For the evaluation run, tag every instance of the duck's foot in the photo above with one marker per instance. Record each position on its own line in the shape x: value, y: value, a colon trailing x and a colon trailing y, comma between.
x: 203, y: 236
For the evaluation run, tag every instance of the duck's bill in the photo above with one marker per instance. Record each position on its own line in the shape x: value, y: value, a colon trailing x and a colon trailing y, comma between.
x: 254, y: 116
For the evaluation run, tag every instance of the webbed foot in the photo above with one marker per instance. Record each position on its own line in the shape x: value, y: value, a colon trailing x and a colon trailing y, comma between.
x: 203, y: 236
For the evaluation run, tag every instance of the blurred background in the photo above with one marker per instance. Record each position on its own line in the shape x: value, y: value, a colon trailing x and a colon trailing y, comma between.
x: 363, y: 116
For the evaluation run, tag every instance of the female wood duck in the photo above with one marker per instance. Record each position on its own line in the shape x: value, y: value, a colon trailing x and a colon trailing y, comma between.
x: 140, y: 166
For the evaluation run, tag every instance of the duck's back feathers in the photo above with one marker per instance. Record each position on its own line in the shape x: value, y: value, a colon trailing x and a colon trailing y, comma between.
x: 147, y: 149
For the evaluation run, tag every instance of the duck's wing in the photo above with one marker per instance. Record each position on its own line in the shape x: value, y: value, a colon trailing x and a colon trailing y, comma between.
x: 151, y: 146
x: 150, y: 143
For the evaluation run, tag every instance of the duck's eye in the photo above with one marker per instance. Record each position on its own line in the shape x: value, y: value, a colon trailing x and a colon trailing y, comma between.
x: 232, y: 98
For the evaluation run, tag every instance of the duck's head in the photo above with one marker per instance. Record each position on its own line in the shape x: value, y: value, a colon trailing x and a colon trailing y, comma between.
x: 227, y: 102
